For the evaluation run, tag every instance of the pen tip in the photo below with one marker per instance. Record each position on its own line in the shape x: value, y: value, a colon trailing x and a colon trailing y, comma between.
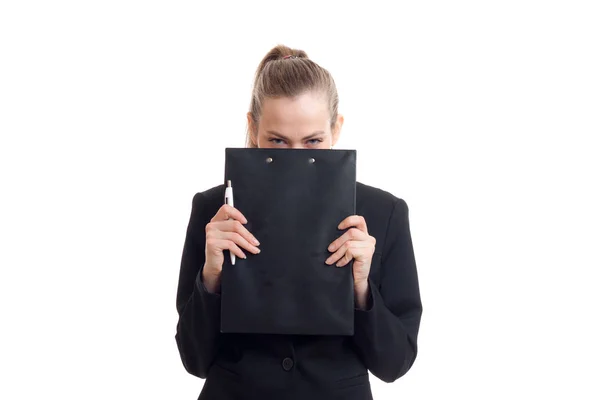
x: 228, y: 183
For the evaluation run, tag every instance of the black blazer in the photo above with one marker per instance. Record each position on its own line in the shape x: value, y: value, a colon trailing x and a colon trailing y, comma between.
x: 244, y: 366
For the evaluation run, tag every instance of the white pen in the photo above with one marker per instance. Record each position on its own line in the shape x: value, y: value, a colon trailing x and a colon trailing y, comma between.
x: 229, y: 201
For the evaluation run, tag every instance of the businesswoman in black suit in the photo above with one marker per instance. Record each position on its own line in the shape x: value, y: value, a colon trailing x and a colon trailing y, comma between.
x: 294, y: 105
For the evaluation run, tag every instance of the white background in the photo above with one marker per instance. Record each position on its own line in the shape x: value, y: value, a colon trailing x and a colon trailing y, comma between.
x: 483, y: 116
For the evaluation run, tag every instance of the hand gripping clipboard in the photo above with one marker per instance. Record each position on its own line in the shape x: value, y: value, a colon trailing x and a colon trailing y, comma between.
x: 294, y: 199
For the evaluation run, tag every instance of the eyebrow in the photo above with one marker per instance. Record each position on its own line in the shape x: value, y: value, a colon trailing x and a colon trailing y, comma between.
x: 311, y: 136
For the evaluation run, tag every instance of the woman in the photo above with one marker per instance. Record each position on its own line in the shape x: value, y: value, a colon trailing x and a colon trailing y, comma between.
x: 294, y: 105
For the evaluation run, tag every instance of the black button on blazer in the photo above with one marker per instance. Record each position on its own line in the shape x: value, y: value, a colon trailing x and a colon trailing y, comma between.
x: 255, y: 366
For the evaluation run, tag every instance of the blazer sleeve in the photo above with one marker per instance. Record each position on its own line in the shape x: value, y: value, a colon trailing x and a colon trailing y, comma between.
x: 386, y: 333
x: 199, y: 310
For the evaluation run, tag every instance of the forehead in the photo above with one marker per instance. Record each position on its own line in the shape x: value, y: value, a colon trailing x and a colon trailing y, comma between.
x: 308, y: 110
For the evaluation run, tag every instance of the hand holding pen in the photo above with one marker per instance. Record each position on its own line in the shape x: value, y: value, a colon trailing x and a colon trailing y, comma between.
x: 225, y: 231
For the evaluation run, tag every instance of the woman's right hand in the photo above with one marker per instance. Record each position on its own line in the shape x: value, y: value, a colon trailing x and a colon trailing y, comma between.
x: 225, y: 231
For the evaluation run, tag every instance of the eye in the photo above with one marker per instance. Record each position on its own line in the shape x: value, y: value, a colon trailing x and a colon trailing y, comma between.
x: 276, y: 141
x: 315, y: 141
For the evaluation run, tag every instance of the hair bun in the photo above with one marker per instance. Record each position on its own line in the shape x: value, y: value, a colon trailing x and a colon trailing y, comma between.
x: 280, y: 52
x: 293, y: 54
x: 284, y: 52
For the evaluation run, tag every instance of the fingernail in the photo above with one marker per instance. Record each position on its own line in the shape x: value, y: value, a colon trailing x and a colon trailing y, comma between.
x: 328, y: 261
x: 330, y: 248
x: 256, y: 242
x: 257, y: 251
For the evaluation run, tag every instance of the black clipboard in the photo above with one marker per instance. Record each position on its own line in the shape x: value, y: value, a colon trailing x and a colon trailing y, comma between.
x: 294, y: 199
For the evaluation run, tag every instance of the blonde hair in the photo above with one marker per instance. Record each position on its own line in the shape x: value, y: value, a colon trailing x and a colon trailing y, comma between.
x: 286, y: 72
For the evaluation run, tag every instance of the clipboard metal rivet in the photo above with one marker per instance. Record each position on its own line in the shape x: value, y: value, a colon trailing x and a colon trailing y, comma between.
x: 311, y: 160
x: 269, y: 160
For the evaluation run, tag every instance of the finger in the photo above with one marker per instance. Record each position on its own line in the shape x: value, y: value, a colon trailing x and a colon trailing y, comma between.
x: 350, y: 234
x: 217, y: 246
x: 345, y: 258
x: 226, y: 212
x: 232, y: 226
x: 350, y: 254
x: 337, y: 255
x: 354, y: 220
x: 350, y: 250
x: 240, y: 241
x: 231, y: 246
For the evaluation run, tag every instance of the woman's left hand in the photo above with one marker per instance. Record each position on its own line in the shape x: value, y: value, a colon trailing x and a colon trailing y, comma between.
x: 357, y: 244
